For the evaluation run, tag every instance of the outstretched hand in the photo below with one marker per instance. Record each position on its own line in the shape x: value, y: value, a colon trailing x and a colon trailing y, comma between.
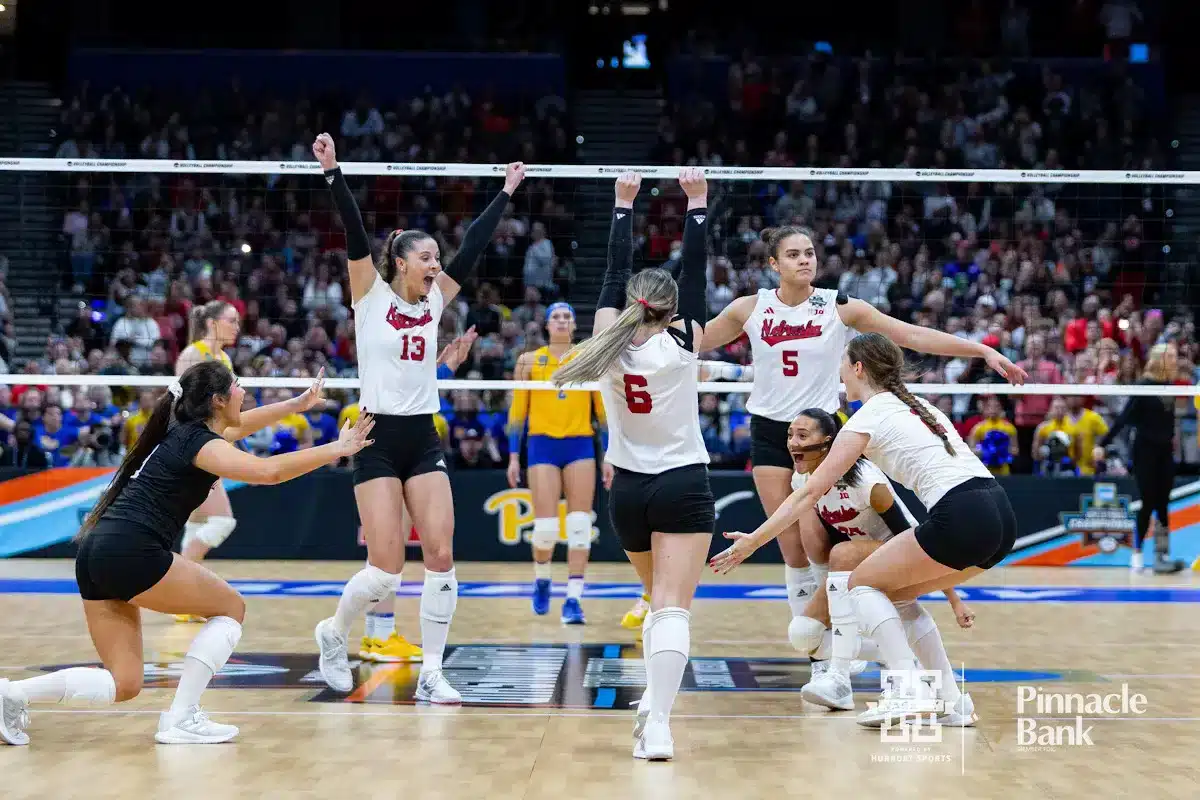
x: 742, y: 548
x: 324, y: 151
x: 1007, y: 369
x: 455, y: 353
x: 314, y: 395
x: 627, y: 188
x: 514, y: 173
x: 352, y: 439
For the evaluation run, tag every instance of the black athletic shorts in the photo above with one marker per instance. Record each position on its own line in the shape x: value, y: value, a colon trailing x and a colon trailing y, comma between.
x: 679, y: 500
x: 405, y: 446
x: 768, y: 443
x: 973, y: 525
x: 119, y: 560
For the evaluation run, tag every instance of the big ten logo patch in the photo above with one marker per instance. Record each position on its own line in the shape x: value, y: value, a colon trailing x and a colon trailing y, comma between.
x: 513, y: 509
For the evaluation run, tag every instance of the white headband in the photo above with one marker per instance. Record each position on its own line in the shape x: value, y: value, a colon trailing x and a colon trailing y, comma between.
x: 176, y: 389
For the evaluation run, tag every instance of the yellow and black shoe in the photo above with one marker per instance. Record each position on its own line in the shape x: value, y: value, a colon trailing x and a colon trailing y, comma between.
x: 189, y: 618
x: 369, y: 647
x: 396, y: 649
x: 635, y: 616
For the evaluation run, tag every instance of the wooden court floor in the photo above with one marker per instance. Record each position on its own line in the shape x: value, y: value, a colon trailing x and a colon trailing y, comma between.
x: 742, y: 731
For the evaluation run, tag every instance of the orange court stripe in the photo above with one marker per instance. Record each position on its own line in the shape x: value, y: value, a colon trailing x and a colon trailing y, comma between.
x: 28, y: 486
x: 1060, y: 556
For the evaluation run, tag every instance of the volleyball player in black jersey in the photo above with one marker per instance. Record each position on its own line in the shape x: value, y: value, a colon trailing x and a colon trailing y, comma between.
x: 125, y: 561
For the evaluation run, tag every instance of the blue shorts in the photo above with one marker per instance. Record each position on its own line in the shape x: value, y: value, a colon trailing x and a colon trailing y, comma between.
x: 559, y: 452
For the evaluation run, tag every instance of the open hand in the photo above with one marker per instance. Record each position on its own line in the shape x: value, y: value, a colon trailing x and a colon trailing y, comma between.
x: 324, y: 150
x: 1010, y: 371
x: 627, y: 188
x: 353, y: 439
x: 742, y: 548
x: 313, y: 395
x: 455, y: 353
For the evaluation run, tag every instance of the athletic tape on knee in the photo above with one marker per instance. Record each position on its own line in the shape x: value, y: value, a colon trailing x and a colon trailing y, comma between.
x: 917, y: 621
x: 439, y: 596
x: 670, y: 631
x: 214, y: 532
x: 872, y: 608
x: 545, y: 533
x: 805, y: 634
x: 88, y: 686
x: 579, y: 530
x: 215, y: 642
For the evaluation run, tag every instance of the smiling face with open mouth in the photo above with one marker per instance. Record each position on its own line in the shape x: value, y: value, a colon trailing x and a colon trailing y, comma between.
x: 807, y: 443
x: 420, y: 267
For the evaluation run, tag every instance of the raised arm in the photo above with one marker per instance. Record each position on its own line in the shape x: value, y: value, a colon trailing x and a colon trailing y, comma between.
x: 865, y: 318
x: 358, y: 244
x: 256, y: 419
x: 693, y: 310
x: 620, y: 253
x: 727, y: 325
x: 222, y: 459
x: 478, y: 234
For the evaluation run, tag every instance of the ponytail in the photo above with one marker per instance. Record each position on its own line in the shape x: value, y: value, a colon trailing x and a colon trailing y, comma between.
x: 921, y: 410
x: 189, y: 399
x: 651, y: 298
x: 397, y: 245
x: 201, y: 316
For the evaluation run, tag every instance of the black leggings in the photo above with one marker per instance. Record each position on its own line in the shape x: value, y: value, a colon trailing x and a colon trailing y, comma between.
x: 1154, y: 470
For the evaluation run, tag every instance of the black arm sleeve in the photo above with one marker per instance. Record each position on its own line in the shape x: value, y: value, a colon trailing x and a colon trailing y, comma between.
x: 478, y: 234
x: 1129, y: 415
x: 620, y: 260
x: 357, y: 244
x: 693, y: 278
x: 895, y: 520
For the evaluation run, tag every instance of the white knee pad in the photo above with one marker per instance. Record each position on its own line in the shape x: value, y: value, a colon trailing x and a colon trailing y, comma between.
x: 545, y: 533
x: 88, y: 686
x: 872, y: 608
x: 916, y: 620
x: 670, y: 630
x: 376, y: 584
x: 215, y: 642
x: 190, y: 529
x: 820, y: 572
x: 805, y: 634
x: 439, y: 596
x: 579, y: 530
x: 214, y: 532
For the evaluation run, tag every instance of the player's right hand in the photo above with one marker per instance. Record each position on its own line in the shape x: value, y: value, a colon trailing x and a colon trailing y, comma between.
x: 627, y: 187
x: 353, y: 439
x: 514, y: 473
x: 325, y: 152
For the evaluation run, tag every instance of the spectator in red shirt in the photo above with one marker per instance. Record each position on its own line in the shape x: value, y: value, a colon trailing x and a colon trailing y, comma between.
x: 1032, y: 408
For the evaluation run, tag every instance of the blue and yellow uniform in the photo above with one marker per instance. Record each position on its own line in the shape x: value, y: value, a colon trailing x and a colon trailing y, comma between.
x: 208, y: 354
x: 559, y: 424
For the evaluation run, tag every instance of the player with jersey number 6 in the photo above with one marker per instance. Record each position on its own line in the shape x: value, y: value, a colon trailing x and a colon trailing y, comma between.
x: 397, y: 305
x: 797, y: 333
x: 643, y: 351
x: 971, y: 525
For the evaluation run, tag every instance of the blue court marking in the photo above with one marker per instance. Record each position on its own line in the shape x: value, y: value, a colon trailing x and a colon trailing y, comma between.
x: 717, y: 591
x: 606, y: 698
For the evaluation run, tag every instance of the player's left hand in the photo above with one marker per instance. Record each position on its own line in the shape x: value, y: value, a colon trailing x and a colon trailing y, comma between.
x: 964, y: 615
x: 1010, y: 371
x: 606, y: 475
x: 514, y: 173
x: 742, y: 548
x: 313, y: 395
x: 455, y: 353
x: 693, y: 183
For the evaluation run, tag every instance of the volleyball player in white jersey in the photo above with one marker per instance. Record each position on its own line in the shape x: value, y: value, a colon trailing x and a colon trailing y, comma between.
x: 397, y: 306
x: 797, y: 333
x: 859, y: 513
x: 971, y: 525
x: 643, y: 353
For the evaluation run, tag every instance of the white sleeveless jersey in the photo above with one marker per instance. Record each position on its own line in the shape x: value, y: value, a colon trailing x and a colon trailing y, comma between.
x: 797, y: 351
x: 397, y: 351
x: 848, y: 508
x: 910, y: 453
x: 652, y: 403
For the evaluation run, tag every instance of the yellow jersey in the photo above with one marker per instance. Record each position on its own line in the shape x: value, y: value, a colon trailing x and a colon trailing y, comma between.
x: 549, y: 412
x: 986, y: 426
x: 1085, y: 432
x: 203, y: 348
x: 132, y: 428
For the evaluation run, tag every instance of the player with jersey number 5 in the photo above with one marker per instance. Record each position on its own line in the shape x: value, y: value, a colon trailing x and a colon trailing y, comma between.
x: 397, y: 305
x: 125, y: 562
x: 643, y: 352
x: 971, y: 525
x: 797, y: 333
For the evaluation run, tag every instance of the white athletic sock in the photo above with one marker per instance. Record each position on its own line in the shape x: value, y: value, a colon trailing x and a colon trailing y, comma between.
x: 74, y: 686
x: 845, y: 635
x: 878, y: 618
x: 543, y: 571
x: 209, y: 651
x: 575, y: 587
x: 644, y: 703
x: 439, y: 597
x: 926, y: 642
x: 819, y: 573
x: 800, y: 588
x: 667, y: 658
x: 868, y: 650
x: 369, y: 583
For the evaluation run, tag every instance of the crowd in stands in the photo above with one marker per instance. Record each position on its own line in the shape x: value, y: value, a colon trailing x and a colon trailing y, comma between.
x: 1060, y: 278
